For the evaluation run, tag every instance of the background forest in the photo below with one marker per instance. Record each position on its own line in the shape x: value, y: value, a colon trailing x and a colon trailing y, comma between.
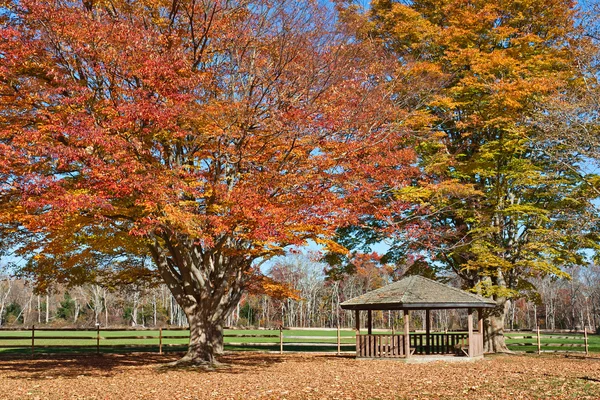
x: 558, y: 304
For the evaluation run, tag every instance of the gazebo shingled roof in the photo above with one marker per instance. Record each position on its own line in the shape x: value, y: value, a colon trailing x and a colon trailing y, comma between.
x: 416, y: 293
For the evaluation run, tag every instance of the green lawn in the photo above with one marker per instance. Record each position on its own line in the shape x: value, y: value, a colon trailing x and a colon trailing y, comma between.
x: 294, y: 340
x: 148, y: 340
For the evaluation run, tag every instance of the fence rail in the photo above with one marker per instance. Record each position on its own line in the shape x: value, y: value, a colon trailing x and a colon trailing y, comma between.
x: 548, y: 342
x: 39, y: 338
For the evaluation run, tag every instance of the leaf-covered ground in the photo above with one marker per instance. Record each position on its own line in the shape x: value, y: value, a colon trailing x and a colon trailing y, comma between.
x: 301, y: 376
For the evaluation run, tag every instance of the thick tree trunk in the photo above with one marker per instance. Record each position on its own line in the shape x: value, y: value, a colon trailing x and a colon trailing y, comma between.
x: 494, y: 328
x: 207, y: 283
x: 206, y: 338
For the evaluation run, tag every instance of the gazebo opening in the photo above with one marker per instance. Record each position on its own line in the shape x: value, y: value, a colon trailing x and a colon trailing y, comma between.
x: 418, y: 293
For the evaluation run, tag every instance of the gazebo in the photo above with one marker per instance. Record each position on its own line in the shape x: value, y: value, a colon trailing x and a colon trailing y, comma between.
x: 418, y: 293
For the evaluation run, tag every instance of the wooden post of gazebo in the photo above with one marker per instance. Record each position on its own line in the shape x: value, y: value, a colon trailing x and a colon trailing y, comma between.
x: 427, y: 331
x: 369, y: 322
x: 406, y: 333
x: 470, y: 331
x: 357, y: 327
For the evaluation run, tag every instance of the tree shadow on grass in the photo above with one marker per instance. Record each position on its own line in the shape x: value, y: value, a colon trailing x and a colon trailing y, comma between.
x: 42, y: 366
x: 589, y: 379
x: 230, y: 363
x: 333, y: 356
x: 46, y: 366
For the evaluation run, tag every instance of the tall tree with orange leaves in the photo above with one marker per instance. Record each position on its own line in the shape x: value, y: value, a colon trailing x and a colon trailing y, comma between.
x: 190, y: 139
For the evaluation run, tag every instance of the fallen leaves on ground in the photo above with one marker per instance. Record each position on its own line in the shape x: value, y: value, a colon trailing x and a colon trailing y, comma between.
x: 298, y: 376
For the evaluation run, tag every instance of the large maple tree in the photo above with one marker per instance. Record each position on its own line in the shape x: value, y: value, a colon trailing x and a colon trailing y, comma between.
x: 204, y: 135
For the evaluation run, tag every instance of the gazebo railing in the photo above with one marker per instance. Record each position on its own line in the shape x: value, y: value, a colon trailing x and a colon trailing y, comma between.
x: 439, y: 343
x: 380, y: 346
x: 477, y: 345
x: 392, y: 346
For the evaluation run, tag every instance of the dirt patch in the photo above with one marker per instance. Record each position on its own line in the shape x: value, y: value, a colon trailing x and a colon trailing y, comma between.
x: 298, y: 376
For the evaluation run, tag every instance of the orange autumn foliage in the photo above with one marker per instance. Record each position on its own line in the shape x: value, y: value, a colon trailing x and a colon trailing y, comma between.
x: 202, y: 136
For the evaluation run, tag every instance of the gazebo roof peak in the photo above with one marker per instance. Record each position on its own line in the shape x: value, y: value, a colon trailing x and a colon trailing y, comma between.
x: 416, y: 293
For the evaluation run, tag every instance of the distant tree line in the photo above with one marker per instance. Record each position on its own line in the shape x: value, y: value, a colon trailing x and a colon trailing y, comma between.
x: 557, y: 304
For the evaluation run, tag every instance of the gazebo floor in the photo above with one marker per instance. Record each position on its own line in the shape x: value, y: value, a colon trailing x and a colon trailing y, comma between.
x: 421, y: 359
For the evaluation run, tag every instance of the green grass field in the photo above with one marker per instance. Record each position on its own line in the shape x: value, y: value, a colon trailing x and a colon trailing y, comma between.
x: 148, y: 340
x: 294, y: 340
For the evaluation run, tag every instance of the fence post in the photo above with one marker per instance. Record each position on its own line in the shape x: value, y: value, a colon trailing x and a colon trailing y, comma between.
x: 338, y: 340
x: 98, y: 339
x: 585, y: 337
x: 280, y: 339
x: 32, y: 339
x: 539, y: 343
x: 160, y: 340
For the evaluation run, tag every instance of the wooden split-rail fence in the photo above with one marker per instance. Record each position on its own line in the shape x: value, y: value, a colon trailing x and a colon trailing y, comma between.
x: 344, y: 341
x: 550, y: 342
x: 42, y: 338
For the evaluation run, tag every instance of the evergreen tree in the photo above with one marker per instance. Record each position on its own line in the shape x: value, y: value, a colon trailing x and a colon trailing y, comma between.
x: 14, y: 313
x: 66, y: 310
